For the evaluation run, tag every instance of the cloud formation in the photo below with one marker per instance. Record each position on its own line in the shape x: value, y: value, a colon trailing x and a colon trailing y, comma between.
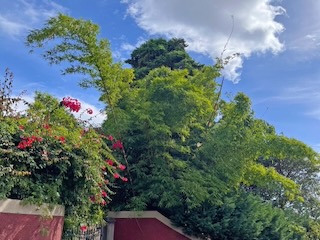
x: 16, y: 17
x: 206, y: 25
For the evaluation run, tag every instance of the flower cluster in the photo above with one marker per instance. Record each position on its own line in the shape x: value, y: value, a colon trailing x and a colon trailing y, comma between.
x: 100, y: 198
x: 62, y: 139
x: 89, y: 139
x: 117, y: 145
x: 73, y: 104
x: 83, y: 228
x: 28, y: 141
x: 115, y: 166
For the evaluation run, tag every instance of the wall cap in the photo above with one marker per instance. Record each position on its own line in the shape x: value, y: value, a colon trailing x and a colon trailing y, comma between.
x: 17, y: 207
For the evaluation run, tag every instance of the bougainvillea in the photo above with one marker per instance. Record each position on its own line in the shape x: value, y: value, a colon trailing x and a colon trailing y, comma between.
x: 73, y: 104
x: 49, y: 156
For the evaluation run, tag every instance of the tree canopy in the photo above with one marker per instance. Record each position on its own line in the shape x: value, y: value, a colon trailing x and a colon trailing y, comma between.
x: 157, y: 53
x: 233, y: 179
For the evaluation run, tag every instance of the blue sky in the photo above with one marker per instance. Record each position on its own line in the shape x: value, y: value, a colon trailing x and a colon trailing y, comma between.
x: 279, y: 43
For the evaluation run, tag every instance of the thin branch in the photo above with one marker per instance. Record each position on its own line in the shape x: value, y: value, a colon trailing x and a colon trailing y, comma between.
x: 221, y: 63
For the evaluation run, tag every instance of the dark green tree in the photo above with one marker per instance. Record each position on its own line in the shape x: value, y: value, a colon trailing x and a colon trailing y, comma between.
x: 161, y: 53
x: 241, y: 216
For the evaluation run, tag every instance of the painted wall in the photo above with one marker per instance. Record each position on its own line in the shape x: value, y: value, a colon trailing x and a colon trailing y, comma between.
x: 144, y: 229
x: 30, y: 222
x: 25, y: 227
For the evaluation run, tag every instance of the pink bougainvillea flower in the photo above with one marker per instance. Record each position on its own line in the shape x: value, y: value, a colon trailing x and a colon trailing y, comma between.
x: 122, y: 167
x: 46, y: 126
x: 92, y: 198
x: 28, y: 141
x: 109, y: 162
x: 62, y: 139
x: 22, y: 145
x: 116, y: 175
x: 124, y: 179
x: 117, y: 145
x: 89, y: 110
x: 73, y: 104
x: 110, y: 138
x: 83, y: 228
x: 103, y: 193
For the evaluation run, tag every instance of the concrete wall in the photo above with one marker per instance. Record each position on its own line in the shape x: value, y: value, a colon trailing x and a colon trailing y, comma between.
x: 30, y: 222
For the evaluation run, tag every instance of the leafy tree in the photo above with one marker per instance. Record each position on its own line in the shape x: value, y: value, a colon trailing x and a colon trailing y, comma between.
x: 156, y: 120
x: 178, y: 163
x: 298, y: 162
x: 76, y: 42
x: 241, y: 216
x: 157, y: 53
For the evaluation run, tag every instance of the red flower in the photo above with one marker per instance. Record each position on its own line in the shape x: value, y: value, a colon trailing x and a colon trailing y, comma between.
x: 46, y: 126
x: 83, y: 228
x: 117, y: 145
x: 103, y: 202
x: 103, y: 193
x: 28, y: 141
x: 62, y: 139
x: 124, y: 179
x: 110, y: 138
x: 116, y: 175
x: 109, y: 162
x: 21, y: 127
x: 92, y: 198
x: 122, y: 167
x: 89, y: 110
x: 22, y: 145
x: 73, y: 104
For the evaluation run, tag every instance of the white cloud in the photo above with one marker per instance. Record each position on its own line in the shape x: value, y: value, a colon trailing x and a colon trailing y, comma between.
x: 130, y: 47
x: 123, y: 52
x: 206, y: 25
x: 16, y: 17
x: 11, y: 28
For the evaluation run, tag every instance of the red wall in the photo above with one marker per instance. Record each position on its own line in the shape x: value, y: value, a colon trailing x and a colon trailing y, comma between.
x: 28, y: 227
x: 144, y: 229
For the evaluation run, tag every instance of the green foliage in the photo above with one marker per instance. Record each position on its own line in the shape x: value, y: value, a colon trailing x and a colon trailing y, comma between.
x: 76, y: 43
x: 241, y: 216
x: 47, y: 157
x: 157, y: 53
x: 292, y: 161
x: 158, y: 118
x: 200, y: 174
